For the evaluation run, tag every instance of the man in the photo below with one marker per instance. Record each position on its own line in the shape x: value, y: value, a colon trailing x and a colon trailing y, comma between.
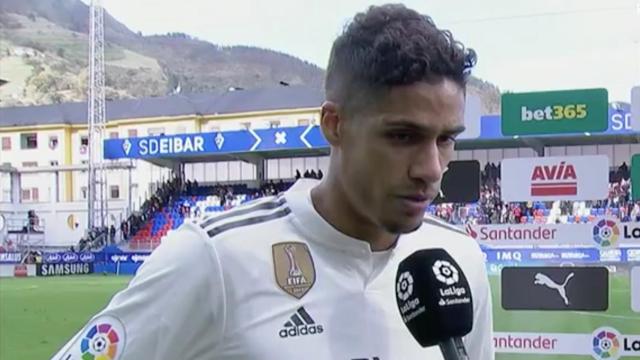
x: 310, y: 274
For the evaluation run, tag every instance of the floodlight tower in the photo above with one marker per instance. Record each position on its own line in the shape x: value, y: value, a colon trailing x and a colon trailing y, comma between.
x: 97, y: 185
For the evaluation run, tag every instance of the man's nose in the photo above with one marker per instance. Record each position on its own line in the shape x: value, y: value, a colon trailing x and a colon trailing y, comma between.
x: 427, y: 165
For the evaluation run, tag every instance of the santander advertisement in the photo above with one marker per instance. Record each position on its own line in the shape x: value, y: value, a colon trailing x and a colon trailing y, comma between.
x: 603, y: 233
x: 555, y: 178
x: 603, y: 343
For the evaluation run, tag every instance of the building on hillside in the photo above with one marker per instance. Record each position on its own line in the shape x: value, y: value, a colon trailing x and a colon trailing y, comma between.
x: 52, y: 135
x: 47, y: 147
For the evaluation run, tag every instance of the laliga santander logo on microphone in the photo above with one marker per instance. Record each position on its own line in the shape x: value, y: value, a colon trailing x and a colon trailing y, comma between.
x: 404, y: 287
x: 605, y: 233
x: 409, y: 308
x: 445, y: 272
x: 606, y: 343
x: 449, y: 275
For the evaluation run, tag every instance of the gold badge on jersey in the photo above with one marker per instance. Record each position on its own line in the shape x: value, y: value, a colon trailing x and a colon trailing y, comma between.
x: 293, y: 267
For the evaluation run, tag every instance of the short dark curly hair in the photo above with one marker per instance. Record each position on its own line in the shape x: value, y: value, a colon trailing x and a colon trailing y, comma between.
x: 392, y: 45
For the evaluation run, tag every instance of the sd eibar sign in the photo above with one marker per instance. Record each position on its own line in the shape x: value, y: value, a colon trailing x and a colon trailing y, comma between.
x: 555, y: 112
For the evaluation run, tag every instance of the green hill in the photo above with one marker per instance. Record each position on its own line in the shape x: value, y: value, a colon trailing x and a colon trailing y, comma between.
x: 44, y: 56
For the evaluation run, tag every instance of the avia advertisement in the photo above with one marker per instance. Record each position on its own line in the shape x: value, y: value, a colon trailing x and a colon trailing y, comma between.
x: 555, y: 178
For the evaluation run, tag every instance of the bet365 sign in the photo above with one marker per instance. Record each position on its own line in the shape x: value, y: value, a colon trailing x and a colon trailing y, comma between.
x: 635, y: 177
x: 555, y: 112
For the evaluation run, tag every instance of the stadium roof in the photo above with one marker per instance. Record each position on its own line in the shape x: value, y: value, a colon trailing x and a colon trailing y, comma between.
x: 239, y: 101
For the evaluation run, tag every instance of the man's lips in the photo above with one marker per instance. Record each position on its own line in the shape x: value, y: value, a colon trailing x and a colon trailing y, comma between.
x: 416, y: 198
x: 417, y: 202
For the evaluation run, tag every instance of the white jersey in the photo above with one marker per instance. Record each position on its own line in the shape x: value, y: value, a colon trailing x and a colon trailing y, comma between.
x: 273, y: 280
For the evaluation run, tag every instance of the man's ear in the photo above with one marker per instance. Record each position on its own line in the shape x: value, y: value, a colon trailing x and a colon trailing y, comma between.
x: 330, y: 122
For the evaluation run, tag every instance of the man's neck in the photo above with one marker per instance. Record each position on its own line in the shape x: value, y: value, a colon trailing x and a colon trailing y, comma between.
x: 330, y: 202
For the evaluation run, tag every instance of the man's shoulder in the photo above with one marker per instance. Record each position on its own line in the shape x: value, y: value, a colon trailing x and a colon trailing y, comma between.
x: 431, y: 222
x: 436, y: 233
x: 244, y: 232
x: 253, y: 220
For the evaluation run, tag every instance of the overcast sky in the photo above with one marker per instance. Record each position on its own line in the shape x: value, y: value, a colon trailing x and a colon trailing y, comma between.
x: 523, y: 45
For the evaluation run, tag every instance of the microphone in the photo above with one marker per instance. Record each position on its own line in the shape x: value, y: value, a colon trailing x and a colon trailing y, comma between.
x: 434, y: 299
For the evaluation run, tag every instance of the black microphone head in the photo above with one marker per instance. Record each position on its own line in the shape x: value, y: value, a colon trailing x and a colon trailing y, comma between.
x: 434, y: 297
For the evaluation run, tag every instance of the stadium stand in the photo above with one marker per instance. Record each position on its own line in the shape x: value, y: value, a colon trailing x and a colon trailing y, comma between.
x: 174, y: 202
x: 491, y: 210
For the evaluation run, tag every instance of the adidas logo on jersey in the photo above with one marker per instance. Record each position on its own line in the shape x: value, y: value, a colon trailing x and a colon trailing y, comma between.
x: 300, y: 324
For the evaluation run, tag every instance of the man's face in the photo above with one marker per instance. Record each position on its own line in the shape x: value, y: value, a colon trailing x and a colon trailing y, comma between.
x: 393, y: 153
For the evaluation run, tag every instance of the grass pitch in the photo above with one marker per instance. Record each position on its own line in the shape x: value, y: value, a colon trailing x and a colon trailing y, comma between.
x: 39, y: 315
x: 619, y: 316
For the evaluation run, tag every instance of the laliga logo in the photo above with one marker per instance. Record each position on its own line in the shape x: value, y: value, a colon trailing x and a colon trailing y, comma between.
x: 609, y: 344
x: 102, y: 341
x: 404, y: 288
x: 445, y: 272
x: 606, y: 343
x: 606, y: 233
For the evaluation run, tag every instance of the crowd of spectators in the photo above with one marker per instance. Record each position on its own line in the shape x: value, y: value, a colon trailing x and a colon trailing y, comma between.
x: 95, y: 239
x: 490, y: 209
x: 32, y: 225
x: 166, y: 193
x: 173, y: 190
x: 32, y: 257
x: 310, y: 174
x: 101, y: 236
x: 227, y: 195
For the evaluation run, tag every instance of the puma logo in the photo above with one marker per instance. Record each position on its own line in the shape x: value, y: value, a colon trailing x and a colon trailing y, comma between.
x: 542, y: 279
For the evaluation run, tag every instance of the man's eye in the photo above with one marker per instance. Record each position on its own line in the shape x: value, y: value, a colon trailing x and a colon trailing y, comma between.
x: 400, y: 137
x: 447, y: 140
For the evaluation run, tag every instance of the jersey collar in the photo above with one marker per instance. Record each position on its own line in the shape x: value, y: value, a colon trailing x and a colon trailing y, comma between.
x: 315, y: 227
